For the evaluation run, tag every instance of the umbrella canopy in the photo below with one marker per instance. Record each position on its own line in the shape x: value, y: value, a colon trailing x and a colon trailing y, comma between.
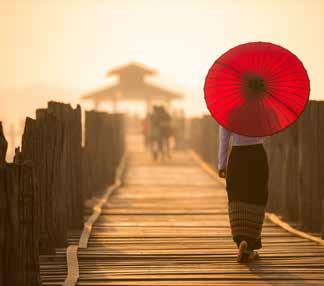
x: 256, y: 89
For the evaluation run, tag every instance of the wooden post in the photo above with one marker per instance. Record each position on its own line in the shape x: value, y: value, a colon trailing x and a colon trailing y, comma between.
x: 19, y: 224
x: 34, y: 149
x: 308, y: 169
x: 292, y: 207
x: 3, y: 145
x: 321, y: 158
x: 104, y: 145
x: 71, y: 121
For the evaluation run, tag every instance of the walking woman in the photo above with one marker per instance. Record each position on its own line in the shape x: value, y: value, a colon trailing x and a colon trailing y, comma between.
x: 246, y: 174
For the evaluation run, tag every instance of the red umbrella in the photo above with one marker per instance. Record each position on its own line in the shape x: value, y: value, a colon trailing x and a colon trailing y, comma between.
x: 256, y: 89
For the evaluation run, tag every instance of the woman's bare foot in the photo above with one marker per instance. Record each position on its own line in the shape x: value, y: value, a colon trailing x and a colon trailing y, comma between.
x: 243, y: 254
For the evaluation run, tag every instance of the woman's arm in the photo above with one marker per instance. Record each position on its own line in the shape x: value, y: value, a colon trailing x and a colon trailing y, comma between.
x: 224, y: 138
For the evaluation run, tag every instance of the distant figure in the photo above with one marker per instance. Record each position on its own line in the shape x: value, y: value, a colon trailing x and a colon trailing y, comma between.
x: 166, y: 132
x: 159, y: 133
x: 154, y: 133
x: 246, y: 176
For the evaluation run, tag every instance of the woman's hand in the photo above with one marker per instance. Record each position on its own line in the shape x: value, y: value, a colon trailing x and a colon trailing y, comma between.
x: 222, y: 173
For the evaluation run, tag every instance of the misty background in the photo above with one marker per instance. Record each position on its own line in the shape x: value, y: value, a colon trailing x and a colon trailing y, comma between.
x: 62, y: 49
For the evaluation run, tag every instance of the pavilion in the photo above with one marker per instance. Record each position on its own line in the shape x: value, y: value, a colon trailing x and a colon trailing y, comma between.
x: 132, y: 86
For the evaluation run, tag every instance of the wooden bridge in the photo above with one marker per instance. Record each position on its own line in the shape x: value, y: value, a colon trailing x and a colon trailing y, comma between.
x: 167, y: 225
x: 67, y: 217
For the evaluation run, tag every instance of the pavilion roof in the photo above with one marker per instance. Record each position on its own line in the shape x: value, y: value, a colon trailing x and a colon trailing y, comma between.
x: 143, y: 91
x: 132, y: 86
x: 131, y: 68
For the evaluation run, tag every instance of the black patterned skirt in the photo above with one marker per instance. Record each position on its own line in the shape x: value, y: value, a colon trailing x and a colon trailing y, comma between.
x: 247, y: 190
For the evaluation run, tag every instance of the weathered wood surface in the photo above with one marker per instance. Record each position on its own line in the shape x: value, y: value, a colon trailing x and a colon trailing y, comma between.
x: 168, y: 225
x: 19, y: 222
x: 296, y: 158
x: 104, y: 146
x: 3, y: 146
x: 72, y: 162
x: 42, y: 144
x: 41, y: 194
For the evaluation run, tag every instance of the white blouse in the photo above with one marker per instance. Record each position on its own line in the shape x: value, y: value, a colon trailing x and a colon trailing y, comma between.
x: 237, y: 140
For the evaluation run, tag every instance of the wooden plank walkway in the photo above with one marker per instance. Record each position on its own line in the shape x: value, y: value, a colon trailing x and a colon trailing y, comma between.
x: 168, y: 225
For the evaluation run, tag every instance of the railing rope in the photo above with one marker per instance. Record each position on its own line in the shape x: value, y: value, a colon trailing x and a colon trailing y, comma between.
x: 72, y: 250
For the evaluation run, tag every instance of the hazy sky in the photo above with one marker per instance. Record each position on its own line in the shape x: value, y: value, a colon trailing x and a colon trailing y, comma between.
x: 70, y: 44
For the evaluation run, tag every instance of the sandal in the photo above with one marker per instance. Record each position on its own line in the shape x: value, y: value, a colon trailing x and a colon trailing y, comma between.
x: 243, y: 254
x: 254, y: 255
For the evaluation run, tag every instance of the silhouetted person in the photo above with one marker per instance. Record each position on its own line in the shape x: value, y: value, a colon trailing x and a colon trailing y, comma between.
x: 154, y: 133
x: 166, y: 132
x: 159, y: 133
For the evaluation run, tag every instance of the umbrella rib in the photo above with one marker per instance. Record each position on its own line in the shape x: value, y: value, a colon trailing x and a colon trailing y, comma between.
x: 267, y: 118
x: 282, y: 103
x: 265, y: 64
x: 226, y: 99
x: 234, y: 79
x: 259, y: 102
x: 228, y: 66
x: 286, y: 93
x: 284, y: 81
x: 277, y: 70
x: 277, y: 66
x: 231, y: 95
x: 300, y: 105
x: 224, y: 114
x: 291, y: 86
x: 279, y: 75
x: 220, y: 85
x: 271, y: 66
x: 243, y: 106
x: 279, y: 109
x: 258, y: 62
x: 280, y: 71
x: 226, y: 71
x: 227, y: 88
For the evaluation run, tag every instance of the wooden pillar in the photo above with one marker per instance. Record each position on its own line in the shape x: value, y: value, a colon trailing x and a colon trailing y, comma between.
x: 321, y: 159
x: 19, y: 222
x: 3, y: 145
x: 71, y: 120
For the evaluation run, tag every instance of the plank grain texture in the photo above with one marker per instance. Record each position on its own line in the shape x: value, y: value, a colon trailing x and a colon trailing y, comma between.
x: 168, y: 225
x: 19, y: 222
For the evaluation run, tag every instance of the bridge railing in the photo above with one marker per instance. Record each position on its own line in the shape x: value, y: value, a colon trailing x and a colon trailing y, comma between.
x: 42, y: 193
x: 296, y: 161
